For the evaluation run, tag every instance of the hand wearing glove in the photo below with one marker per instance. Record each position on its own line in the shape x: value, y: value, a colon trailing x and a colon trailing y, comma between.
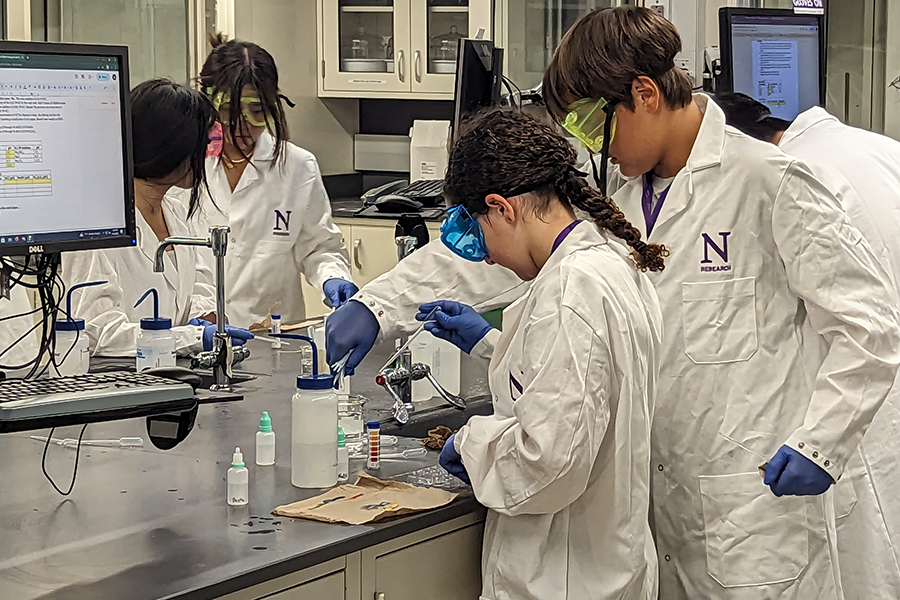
x: 339, y: 291
x: 789, y: 473
x: 455, y: 322
x: 238, y: 336
x: 351, y: 328
x: 452, y: 461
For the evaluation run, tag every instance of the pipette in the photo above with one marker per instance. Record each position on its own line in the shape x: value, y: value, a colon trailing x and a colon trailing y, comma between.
x: 125, y: 442
x: 409, y: 340
x: 263, y: 338
x: 408, y: 453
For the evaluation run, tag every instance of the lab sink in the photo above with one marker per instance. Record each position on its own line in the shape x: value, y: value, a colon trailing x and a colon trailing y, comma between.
x: 421, y: 422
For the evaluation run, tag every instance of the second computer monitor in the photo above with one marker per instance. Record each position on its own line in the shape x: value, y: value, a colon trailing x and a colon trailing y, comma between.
x: 479, y: 74
x: 774, y: 56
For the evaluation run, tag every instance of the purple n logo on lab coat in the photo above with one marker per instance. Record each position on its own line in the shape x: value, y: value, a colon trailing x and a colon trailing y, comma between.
x: 282, y: 219
x: 721, y: 251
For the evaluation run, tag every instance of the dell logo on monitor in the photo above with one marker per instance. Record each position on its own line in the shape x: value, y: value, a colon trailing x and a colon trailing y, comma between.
x: 35, y: 249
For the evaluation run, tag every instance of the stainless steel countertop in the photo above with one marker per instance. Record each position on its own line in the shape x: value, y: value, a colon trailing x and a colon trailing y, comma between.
x: 147, y: 524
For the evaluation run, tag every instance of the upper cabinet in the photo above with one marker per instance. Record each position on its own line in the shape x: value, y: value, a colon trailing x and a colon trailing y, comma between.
x: 395, y: 48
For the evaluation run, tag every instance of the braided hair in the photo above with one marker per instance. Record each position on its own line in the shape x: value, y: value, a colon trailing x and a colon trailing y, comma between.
x: 509, y: 153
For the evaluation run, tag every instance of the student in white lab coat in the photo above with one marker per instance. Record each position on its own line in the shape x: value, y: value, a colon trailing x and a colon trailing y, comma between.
x: 764, y: 261
x: 170, y: 133
x: 269, y: 192
x: 18, y: 334
x: 862, y: 169
x: 563, y: 463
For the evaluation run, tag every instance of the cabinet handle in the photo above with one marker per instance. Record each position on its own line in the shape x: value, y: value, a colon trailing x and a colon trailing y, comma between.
x: 356, y: 246
x: 379, y: 596
x: 400, y: 66
x: 418, y: 74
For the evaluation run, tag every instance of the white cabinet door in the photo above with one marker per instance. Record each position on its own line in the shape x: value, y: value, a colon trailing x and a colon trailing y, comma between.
x: 437, y: 27
x: 372, y: 251
x: 365, y: 45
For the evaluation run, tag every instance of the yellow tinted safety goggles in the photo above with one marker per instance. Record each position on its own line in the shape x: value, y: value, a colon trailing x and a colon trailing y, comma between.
x: 251, y: 108
x: 585, y: 122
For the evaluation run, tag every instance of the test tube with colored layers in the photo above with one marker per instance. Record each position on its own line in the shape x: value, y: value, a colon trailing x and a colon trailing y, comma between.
x: 374, y: 430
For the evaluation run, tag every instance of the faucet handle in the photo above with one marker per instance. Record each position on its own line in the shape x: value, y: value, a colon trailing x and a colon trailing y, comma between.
x: 422, y: 370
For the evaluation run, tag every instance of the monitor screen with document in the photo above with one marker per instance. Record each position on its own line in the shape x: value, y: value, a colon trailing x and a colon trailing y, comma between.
x: 774, y: 56
x: 65, y: 138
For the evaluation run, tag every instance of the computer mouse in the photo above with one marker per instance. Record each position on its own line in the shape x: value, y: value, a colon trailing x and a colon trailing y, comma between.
x: 397, y: 204
x: 180, y: 374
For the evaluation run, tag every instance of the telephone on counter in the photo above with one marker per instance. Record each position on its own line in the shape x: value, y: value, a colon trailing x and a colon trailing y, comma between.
x: 399, y: 197
x: 372, y: 196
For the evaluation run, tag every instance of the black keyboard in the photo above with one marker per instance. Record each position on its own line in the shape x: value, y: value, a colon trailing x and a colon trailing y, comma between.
x: 87, y: 394
x: 427, y: 191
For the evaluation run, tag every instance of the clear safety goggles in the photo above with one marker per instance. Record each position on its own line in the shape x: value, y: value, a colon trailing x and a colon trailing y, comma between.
x: 462, y: 234
x: 586, y: 120
x: 251, y: 108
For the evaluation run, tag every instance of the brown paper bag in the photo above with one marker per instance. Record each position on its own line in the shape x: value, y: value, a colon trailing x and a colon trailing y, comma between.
x: 347, y: 502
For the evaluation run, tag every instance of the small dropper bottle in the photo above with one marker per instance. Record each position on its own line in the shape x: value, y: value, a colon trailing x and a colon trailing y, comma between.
x: 238, y: 480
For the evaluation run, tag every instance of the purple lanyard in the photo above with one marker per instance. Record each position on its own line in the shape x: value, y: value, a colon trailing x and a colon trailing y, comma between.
x: 564, y: 234
x: 651, y: 213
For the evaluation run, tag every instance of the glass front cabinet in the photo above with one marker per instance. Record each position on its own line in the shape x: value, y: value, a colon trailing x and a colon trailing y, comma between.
x: 395, y: 48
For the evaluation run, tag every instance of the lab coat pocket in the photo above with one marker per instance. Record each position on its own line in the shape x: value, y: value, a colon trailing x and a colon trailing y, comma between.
x: 719, y: 319
x: 752, y: 537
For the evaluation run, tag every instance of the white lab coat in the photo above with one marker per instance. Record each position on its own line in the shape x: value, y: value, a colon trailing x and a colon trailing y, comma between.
x: 19, y: 303
x: 111, y: 321
x: 863, y: 170
x: 281, y: 227
x: 762, y: 257
x: 434, y: 272
x: 563, y: 464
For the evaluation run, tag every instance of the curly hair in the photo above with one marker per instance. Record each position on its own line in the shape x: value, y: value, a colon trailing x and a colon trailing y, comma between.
x: 509, y: 153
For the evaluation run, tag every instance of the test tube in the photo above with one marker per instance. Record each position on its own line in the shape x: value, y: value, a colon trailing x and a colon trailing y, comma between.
x: 374, y: 430
x: 276, y: 329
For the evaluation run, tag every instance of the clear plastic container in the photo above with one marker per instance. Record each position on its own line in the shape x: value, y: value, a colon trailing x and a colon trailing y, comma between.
x: 72, y: 354
x: 155, y: 342
x: 350, y: 419
x: 314, y: 447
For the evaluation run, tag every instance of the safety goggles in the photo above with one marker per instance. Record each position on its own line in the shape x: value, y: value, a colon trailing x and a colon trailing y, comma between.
x: 462, y: 234
x: 586, y: 121
x: 251, y: 108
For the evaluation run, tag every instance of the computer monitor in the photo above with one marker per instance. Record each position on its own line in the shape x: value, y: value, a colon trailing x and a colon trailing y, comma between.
x: 65, y: 148
x: 479, y: 75
x: 774, y: 56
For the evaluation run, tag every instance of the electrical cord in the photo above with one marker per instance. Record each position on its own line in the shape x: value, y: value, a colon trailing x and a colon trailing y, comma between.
x: 74, y: 470
x: 509, y: 82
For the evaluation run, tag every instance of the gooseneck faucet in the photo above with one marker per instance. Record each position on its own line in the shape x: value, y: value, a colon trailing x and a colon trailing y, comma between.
x: 221, y: 356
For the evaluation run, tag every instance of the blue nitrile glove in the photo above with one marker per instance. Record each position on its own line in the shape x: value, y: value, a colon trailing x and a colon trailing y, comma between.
x: 354, y: 328
x: 789, y: 473
x: 455, y: 322
x: 339, y: 291
x: 238, y: 336
x: 452, y: 461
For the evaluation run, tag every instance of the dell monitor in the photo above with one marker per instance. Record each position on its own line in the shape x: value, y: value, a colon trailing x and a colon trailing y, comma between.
x: 774, y: 56
x: 479, y: 75
x: 65, y: 148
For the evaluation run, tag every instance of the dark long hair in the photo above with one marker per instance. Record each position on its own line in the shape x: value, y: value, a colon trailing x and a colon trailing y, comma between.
x: 753, y: 118
x: 509, y: 153
x: 170, y: 124
x: 230, y: 67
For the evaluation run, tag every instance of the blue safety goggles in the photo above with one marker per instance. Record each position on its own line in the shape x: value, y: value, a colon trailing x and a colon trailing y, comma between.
x: 462, y: 234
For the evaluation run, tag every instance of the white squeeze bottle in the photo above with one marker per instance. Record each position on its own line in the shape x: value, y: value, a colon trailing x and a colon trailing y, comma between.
x: 156, y: 342
x: 314, y: 416
x: 238, y: 480
x: 265, y: 442
x: 71, y: 351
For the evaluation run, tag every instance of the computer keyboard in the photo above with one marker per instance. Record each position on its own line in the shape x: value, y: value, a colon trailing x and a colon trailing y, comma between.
x: 64, y: 398
x: 426, y: 191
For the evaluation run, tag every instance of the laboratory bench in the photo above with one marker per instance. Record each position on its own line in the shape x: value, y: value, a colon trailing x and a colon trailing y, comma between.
x: 148, y: 524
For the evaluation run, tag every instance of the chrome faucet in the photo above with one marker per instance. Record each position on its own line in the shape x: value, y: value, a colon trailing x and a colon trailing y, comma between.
x: 397, y: 377
x: 221, y: 357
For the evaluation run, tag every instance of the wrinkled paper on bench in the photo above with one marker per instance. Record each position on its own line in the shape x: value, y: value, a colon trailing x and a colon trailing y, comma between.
x: 408, y: 498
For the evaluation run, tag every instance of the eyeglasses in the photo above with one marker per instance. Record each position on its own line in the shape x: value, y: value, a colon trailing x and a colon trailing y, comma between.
x: 586, y: 120
x: 251, y: 108
x: 462, y: 235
